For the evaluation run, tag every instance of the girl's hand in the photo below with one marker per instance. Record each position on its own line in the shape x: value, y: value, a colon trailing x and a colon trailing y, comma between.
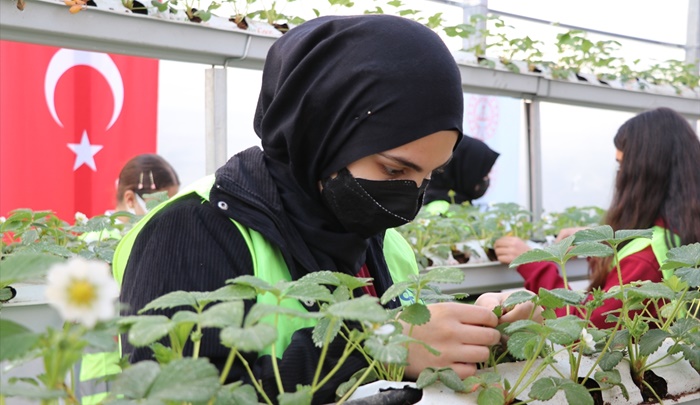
x: 518, y: 312
x: 462, y: 333
x: 566, y: 232
x: 508, y: 248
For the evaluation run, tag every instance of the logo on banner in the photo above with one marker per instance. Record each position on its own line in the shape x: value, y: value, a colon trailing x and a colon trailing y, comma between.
x: 61, y: 62
x: 482, y: 115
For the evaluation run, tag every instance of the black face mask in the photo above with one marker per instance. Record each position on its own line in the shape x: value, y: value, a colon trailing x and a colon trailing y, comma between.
x: 367, y: 207
x: 480, y: 189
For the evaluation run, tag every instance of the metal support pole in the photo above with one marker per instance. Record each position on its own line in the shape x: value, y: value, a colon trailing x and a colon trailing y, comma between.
x: 478, y: 7
x: 215, y: 118
x: 532, y: 117
x: 692, y: 50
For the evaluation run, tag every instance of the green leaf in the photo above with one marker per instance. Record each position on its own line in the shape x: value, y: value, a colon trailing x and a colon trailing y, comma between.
x: 163, y: 354
x: 261, y: 311
x: 524, y: 324
x: 650, y: 290
x: 302, y: 396
x: 532, y: 256
x: 135, y: 381
x: 560, y: 297
x: 596, y: 234
x: 185, y: 316
x: 690, y: 276
x: 451, y: 380
x: 386, y: 352
x: 172, y: 300
x: 321, y: 332
x: 250, y: 339
x: 452, y: 275
x: 577, y: 394
x: 24, y: 390
x: 427, y: 377
x: 651, y: 341
x: 6, y: 293
x: 223, y: 314
x: 620, y: 339
x: 187, y: 380
x: 160, y: 6
x: 16, y: 340
x: 364, y: 308
x: 415, y: 314
x: 518, y: 297
x: 25, y: 266
x: 232, y: 293
x: 149, y: 329
x: 336, y: 279
x: 204, y: 15
x: 692, y: 354
x: 254, y: 282
x: 395, y: 290
x: 683, y: 326
x: 608, y: 377
x: 237, y: 394
x: 544, y: 389
x: 590, y: 249
x: 522, y: 345
x: 565, y: 330
x: 683, y: 256
x: 491, y: 396
x: 102, y: 340
x: 308, y: 291
x: 628, y: 234
x: 609, y: 360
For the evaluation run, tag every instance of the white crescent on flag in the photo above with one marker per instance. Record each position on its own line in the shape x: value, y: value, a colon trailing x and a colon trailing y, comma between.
x: 65, y: 59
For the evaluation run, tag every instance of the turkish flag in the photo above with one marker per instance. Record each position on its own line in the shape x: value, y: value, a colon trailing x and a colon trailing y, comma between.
x: 69, y: 121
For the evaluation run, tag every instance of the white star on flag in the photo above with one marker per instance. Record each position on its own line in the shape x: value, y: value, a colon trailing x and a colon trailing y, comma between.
x: 84, y: 152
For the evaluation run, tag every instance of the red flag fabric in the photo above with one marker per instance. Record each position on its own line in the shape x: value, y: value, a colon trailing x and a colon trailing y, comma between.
x: 69, y: 121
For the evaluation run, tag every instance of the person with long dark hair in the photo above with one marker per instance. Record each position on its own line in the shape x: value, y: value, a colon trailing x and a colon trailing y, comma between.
x: 354, y: 115
x: 657, y: 186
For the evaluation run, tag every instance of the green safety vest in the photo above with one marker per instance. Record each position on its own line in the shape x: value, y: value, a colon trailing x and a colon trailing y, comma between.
x: 437, y: 207
x: 269, y: 265
x: 93, y: 366
x: 658, y: 246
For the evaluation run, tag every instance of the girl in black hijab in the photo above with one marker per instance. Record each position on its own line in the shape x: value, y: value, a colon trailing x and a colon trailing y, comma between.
x: 354, y: 114
x: 467, y: 174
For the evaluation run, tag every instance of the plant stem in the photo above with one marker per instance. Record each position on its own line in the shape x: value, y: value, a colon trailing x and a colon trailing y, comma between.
x: 676, y: 310
x: 566, y: 284
x: 337, y: 367
x: 357, y: 384
x: 198, y: 342
x: 527, y: 367
x: 253, y: 381
x: 273, y: 355
x: 227, y: 366
x: 324, y: 352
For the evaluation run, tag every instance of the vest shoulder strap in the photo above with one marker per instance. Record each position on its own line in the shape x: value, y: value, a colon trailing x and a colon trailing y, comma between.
x: 657, y: 243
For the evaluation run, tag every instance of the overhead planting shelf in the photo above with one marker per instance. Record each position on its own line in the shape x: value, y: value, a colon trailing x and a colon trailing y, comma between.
x: 97, y: 30
x: 483, y: 80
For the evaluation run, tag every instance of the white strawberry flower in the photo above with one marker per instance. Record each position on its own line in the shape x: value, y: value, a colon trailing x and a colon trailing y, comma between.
x: 82, y: 291
x: 587, y: 339
x: 385, y: 330
x: 2, y: 220
x: 80, y: 218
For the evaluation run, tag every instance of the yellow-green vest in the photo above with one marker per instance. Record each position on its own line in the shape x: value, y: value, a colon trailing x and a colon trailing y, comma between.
x: 268, y: 263
x: 658, y: 246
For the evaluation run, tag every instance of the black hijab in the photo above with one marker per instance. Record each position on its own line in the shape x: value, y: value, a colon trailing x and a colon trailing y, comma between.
x: 471, y: 161
x: 334, y: 90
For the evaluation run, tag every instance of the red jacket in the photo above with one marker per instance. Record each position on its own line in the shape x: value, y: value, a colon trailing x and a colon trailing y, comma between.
x: 636, y: 267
